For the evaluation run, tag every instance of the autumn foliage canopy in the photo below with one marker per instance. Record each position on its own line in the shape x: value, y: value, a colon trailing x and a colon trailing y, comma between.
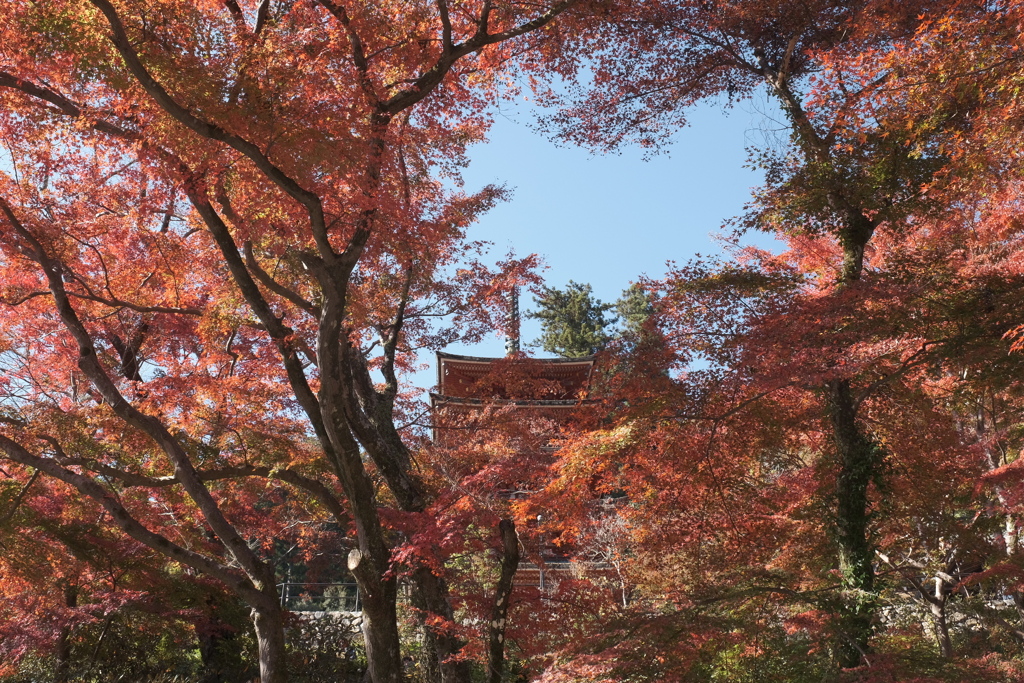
x: 230, y: 230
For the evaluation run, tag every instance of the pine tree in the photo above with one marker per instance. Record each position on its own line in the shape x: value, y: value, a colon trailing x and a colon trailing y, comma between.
x: 573, y: 322
x: 634, y: 307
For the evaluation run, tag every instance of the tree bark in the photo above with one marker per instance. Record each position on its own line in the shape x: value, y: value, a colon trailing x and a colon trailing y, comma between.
x: 369, y: 413
x: 380, y: 619
x: 345, y: 457
x: 857, y: 453
x: 63, y: 649
x: 857, y: 456
x: 938, y: 610
x: 502, y: 593
x: 268, y: 621
x: 430, y: 596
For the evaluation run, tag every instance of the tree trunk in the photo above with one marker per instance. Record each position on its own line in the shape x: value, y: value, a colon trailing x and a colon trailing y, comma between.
x: 380, y: 619
x: 857, y: 456
x: 1010, y: 540
x: 502, y: 593
x: 938, y: 609
x: 219, y: 647
x: 430, y: 596
x: 856, y: 452
x: 63, y: 649
x: 380, y: 634
x: 430, y: 591
x: 268, y: 621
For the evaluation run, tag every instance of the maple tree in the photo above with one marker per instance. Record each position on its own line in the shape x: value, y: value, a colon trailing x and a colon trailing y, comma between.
x: 844, y: 474
x: 958, y: 266
x: 228, y: 227
x: 836, y: 178
x: 223, y: 240
x: 726, y: 475
x: 100, y: 605
x: 851, y: 362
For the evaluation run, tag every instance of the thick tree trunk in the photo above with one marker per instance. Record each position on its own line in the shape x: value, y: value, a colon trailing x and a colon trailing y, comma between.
x: 856, y: 452
x: 63, y: 655
x: 430, y: 591
x: 857, y: 456
x: 1010, y: 540
x: 858, y: 459
x: 430, y: 596
x: 380, y: 634
x: 502, y: 593
x: 268, y: 621
x: 380, y: 619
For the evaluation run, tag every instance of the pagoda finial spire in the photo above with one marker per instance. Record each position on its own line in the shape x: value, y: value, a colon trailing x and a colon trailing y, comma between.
x: 512, y: 330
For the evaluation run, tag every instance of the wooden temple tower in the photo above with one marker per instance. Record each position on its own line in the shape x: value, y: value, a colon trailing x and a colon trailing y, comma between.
x: 535, y: 395
x: 557, y: 384
x: 551, y: 387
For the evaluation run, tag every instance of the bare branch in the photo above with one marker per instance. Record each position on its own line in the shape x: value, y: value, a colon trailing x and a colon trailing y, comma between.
x: 19, y: 499
x: 290, y: 476
x: 273, y: 285
x: 280, y: 333
x: 127, y: 522
x: 212, y: 131
x: 148, y: 424
x: 391, y: 342
x: 446, y: 26
x: 424, y: 84
x: 237, y: 15
x: 359, y: 57
x: 63, y: 104
x: 262, y: 12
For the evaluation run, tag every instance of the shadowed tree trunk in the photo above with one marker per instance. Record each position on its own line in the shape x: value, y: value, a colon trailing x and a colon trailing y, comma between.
x: 857, y: 456
x: 502, y: 593
x: 63, y: 649
x: 856, y: 453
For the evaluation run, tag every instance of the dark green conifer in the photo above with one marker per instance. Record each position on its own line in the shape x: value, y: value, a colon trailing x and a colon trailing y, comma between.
x: 573, y: 322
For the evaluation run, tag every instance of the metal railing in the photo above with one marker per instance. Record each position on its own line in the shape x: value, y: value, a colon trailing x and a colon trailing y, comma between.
x: 344, y: 597
x: 319, y: 597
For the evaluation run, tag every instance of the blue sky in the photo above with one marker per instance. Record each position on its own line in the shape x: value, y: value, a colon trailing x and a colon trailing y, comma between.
x: 606, y: 220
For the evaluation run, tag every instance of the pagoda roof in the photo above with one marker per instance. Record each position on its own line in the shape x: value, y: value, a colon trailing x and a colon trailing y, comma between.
x: 440, y: 399
x: 459, y: 376
x: 583, y: 360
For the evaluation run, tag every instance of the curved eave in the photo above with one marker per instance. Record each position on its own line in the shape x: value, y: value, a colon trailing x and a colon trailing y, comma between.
x: 585, y: 365
x: 585, y: 360
x: 439, y: 399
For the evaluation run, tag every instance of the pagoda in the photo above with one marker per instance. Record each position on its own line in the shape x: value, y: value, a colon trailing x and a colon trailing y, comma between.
x: 559, y: 383
x: 546, y: 387
x: 533, y: 397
